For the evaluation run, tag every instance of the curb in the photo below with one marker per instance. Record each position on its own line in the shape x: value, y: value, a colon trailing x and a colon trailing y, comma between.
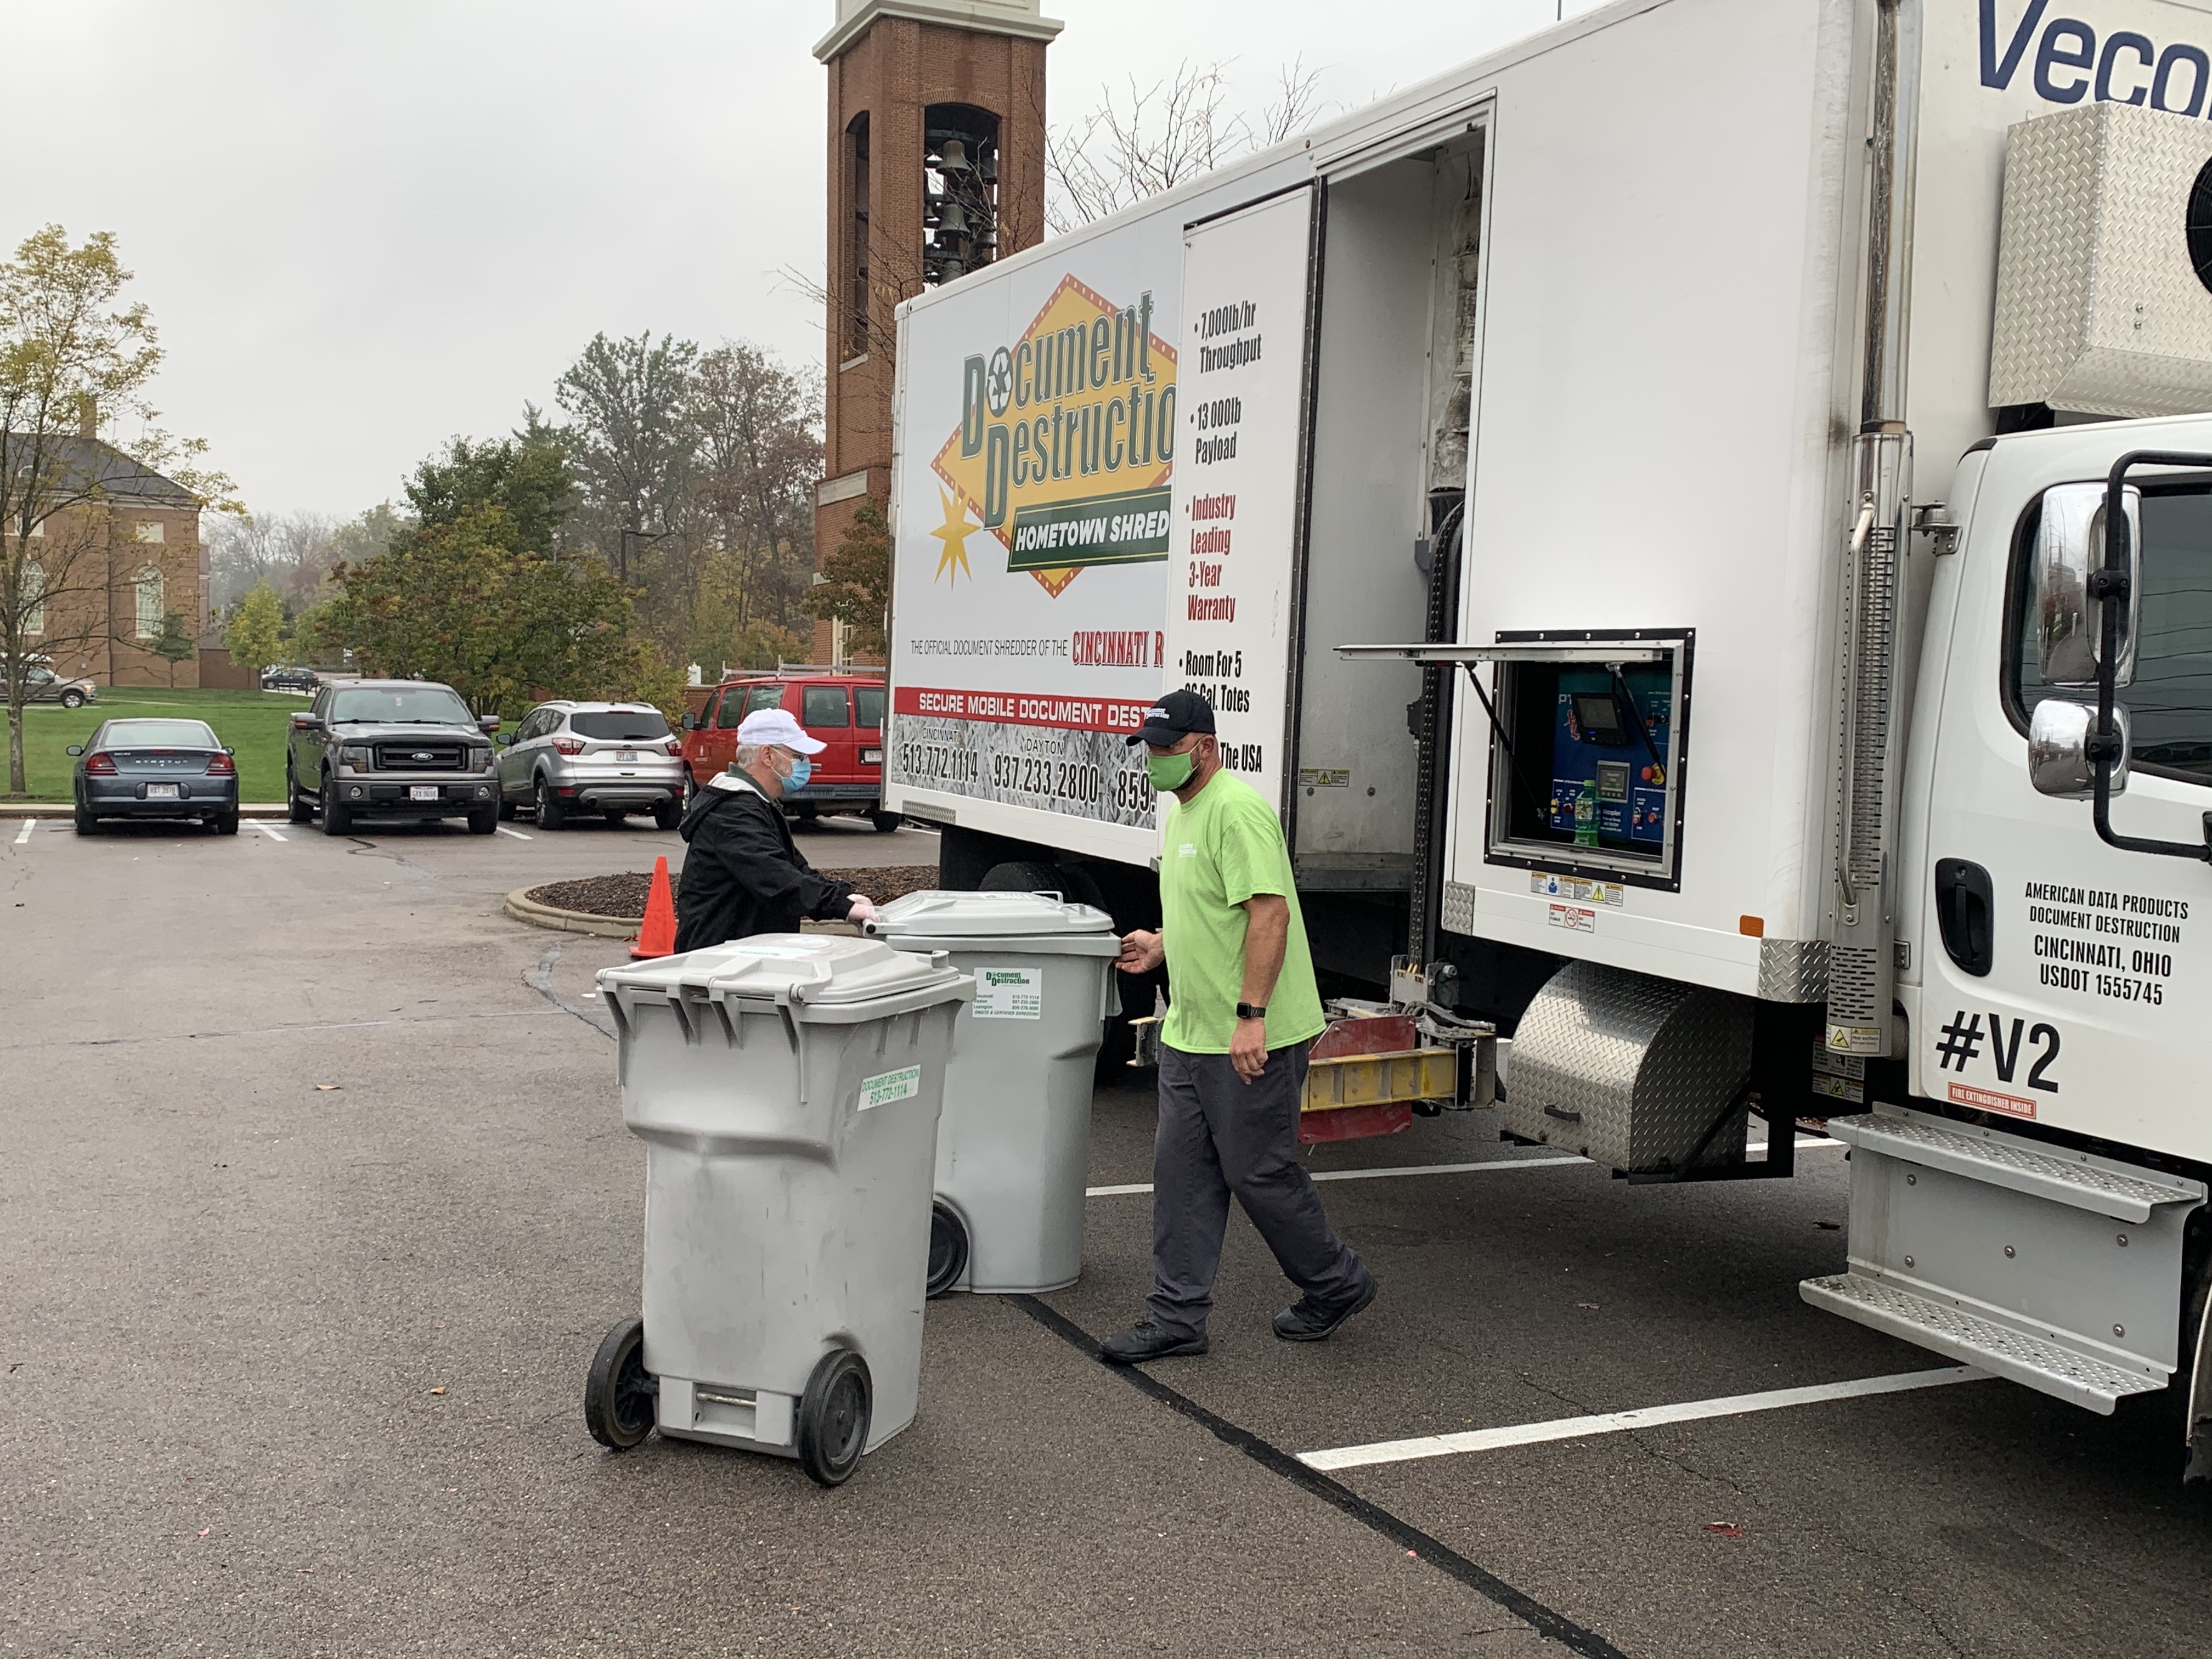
x: 524, y: 908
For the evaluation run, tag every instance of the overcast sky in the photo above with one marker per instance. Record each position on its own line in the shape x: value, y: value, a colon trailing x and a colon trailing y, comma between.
x: 366, y: 225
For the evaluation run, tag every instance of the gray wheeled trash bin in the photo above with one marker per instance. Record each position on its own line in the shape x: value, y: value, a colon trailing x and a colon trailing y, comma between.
x: 786, y: 1088
x: 1013, y: 1145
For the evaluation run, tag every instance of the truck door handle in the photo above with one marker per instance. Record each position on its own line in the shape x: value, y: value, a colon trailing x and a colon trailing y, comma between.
x: 1966, y: 911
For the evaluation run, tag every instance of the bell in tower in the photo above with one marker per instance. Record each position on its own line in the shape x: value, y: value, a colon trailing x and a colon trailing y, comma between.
x: 936, y: 135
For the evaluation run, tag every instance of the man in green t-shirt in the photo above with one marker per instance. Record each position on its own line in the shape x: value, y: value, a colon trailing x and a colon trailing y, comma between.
x: 1242, y: 1009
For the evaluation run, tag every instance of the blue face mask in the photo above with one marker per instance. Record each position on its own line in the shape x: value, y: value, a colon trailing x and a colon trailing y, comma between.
x: 801, y: 770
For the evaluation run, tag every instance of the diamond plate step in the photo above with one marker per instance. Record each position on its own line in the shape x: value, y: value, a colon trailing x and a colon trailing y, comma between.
x: 2046, y: 1366
x: 2085, y: 1183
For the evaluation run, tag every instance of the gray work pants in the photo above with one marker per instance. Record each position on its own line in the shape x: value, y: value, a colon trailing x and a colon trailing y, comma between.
x: 1218, y: 1135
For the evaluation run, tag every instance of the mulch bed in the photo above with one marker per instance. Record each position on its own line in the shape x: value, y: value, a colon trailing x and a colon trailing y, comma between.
x: 623, y: 896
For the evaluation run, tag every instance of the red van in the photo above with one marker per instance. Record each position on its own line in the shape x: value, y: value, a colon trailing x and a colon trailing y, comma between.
x: 842, y: 710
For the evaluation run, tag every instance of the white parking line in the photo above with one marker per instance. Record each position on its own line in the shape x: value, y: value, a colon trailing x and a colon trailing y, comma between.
x: 1648, y: 1416
x: 24, y: 833
x: 1805, y: 1143
x: 517, y: 833
x: 262, y: 828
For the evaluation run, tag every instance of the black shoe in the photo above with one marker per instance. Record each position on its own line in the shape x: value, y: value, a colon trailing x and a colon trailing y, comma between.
x: 1148, y: 1341
x: 1308, y: 1321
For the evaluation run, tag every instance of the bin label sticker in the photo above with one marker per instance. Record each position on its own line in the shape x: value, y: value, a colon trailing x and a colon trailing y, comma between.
x: 1009, y: 993
x: 885, y: 1087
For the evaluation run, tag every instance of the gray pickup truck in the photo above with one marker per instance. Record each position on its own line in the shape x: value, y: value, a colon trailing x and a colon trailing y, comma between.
x: 391, y: 749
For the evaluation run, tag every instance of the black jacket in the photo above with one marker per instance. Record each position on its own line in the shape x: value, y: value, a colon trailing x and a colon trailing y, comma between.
x: 745, y: 875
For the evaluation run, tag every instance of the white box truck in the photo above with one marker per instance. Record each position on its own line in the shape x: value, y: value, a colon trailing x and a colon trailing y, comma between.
x: 1702, y: 521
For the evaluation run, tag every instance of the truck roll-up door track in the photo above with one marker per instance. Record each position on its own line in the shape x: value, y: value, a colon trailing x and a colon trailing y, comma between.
x: 1554, y: 1625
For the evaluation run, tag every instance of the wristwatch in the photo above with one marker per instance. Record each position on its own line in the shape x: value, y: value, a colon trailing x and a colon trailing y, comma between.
x: 1246, y: 1010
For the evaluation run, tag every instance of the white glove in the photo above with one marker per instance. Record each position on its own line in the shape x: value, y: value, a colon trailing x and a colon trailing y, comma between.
x: 863, y: 909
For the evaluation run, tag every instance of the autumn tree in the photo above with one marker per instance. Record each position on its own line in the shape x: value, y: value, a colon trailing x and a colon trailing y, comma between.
x: 73, y: 354
x: 254, y: 632
x: 855, y: 587
x: 173, y: 644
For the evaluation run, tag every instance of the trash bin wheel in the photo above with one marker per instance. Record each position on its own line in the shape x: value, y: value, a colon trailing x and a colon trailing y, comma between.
x: 834, y: 1414
x: 948, y: 1247
x: 620, y: 1394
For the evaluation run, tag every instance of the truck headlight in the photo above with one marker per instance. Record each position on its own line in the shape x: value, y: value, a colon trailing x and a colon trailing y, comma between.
x: 358, y: 755
x: 483, y: 762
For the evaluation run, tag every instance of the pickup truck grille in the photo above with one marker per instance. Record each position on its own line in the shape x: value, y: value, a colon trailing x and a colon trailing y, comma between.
x: 419, y: 757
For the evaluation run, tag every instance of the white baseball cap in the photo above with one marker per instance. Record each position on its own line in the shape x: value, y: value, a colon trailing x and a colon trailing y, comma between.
x: 775, y: 726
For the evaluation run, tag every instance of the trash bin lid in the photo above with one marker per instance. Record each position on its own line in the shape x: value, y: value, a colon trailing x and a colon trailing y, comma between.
x: 946, y: 917
x: 811, y: 967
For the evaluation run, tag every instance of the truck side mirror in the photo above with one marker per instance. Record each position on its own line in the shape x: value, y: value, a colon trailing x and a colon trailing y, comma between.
x: 2058, y: 762
x: 2069, y: 550
x: 488, y: 725
x: 306, y: 723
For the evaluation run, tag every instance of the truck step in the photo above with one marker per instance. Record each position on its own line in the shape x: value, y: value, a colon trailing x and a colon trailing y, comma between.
x: 2075, y: 1179
x: 2046, y: 1366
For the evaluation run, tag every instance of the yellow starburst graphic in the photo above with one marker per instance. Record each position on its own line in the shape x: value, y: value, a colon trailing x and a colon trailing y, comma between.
x: 954, y: 533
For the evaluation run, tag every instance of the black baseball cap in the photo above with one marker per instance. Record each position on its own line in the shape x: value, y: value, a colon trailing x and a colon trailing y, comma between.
x: 1173, y: 717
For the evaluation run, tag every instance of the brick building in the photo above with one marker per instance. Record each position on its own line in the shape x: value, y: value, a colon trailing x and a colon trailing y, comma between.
x: 124, y: 554
x: 937, y: 134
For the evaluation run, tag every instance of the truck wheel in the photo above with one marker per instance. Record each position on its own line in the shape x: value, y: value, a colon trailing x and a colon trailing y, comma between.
x: 297, y: 809
x: 833, y: 1417
x: 551, y: 815
x: 668, y: 815
x: 485, y: 822
x: 337, y: 821
x: 1025, y: 876
x: 620, y: 1395
x: 72, y: 699
x: 948, y: 1247
x: 885, y: 821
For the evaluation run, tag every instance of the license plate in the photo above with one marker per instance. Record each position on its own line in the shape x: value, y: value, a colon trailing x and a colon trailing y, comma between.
x: 423, y: 791
x: 626, y: 758
x: 873, y: 756
x: 160, y: 792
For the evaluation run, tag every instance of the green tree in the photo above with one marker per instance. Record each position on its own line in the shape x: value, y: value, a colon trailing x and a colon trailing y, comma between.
x: 856, y: 580
x: 529, y: 477
x: 255, y: 630
x: 172, y: 645
x: 503, y: 625
x: 72, y: 354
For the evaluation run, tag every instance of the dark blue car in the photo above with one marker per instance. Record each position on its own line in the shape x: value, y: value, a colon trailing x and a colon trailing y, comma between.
x: 156, y: 768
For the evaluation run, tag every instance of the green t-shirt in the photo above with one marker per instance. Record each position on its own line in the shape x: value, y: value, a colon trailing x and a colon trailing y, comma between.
x: 1223, y: 846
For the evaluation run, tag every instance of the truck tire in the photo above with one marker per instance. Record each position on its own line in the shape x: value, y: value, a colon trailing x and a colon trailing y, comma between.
x: 337, y: 821
x: 297, y: 809
x: 834, y: 1414
x: 551, y: 815
x: 72, y: 699
x: 485, y: 822
x: 885, y: 821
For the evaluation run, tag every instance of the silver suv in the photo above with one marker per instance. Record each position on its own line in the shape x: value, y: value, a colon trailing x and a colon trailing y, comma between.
x: 614, y: 758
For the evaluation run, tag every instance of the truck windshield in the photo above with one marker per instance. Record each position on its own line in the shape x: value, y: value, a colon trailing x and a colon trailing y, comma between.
x: 620, y: 726
x: 2170, y: 702
x: 413, y: 705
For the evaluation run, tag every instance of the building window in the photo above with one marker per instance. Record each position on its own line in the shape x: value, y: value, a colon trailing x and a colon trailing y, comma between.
x: 856, y: 298
x: 152, y: 591
x: 151, y: 530
x: 960, y: 191
x: 35, y: 598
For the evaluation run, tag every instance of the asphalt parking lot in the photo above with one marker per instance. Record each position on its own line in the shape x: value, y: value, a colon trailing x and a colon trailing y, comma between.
x: 317, y: 1198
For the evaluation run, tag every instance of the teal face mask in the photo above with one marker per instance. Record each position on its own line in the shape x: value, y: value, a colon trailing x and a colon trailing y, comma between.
x: 1170, y: 772
x: 801, y: 770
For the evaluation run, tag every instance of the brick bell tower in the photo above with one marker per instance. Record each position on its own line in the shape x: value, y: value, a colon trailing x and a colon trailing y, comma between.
x: 937, y: 132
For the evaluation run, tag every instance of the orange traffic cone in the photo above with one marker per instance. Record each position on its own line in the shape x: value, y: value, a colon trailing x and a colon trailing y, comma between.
x: 658, y: 936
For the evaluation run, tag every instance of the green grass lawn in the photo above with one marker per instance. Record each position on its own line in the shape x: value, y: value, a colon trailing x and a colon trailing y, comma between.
x: 251, y: 722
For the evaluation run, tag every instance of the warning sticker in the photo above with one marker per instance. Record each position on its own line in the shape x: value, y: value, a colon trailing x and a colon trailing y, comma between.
x: 885, y: 1087
x: 1574, y: 916
x: 1988, y: 1100
x: 1580, y: 889
x: 1009, y: 993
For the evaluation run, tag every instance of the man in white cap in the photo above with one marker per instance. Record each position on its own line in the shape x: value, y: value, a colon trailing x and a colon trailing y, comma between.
x: 745, y: 874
